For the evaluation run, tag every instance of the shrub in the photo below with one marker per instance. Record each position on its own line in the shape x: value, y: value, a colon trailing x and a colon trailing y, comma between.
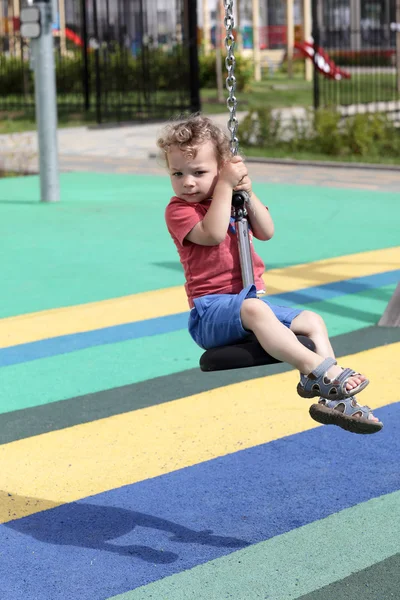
x: 152, y: 68
x: 327, y: 132
x: 208, y: 72
x: 362, y: 58
x: 323, y: 132
x: 261, y: 127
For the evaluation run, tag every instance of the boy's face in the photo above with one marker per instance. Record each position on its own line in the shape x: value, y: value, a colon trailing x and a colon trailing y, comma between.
x: 193, y: 179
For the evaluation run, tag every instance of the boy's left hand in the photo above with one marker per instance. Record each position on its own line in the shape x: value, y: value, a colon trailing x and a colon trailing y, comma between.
x: 244, y: 184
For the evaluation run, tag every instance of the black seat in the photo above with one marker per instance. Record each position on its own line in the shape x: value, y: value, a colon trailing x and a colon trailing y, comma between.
x: 247, y: 353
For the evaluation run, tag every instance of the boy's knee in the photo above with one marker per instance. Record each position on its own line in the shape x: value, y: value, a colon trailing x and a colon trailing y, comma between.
x: 252, y: 310
x: 315, y: 323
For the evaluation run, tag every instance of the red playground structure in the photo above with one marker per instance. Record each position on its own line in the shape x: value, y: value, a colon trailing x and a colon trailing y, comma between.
x: 324, y: 64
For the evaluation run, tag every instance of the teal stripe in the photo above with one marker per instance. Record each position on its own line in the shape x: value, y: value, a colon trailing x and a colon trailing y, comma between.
x: 107, y: 237
x: 293, y: 564
x: 166, y: 324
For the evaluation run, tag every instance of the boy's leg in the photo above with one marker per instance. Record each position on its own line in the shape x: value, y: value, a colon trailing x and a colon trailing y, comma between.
x: 313, y: 326
x: 281, y: 342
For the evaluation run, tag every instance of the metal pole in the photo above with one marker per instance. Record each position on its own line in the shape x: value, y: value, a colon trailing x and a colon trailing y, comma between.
x: 46, y: 106
x: 243, y: 236
x: 97, y: 63
x: 85, y: 52
x: 316, y: 38
x: 191, y: 33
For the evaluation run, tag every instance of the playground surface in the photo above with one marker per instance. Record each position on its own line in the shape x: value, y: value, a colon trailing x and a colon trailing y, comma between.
x: 126, y: 472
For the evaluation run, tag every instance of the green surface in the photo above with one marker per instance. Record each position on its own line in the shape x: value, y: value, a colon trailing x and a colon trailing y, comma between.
x: 280, y: 569
x: 107, y: 237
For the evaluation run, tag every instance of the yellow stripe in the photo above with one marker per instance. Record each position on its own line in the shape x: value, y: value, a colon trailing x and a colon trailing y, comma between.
x: 63, y: 466
x: 149, y: 305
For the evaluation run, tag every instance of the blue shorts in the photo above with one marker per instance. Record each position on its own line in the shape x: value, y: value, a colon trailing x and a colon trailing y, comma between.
x: 215, y: 319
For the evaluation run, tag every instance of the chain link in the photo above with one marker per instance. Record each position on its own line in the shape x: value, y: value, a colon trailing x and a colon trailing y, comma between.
x: 231, y: 102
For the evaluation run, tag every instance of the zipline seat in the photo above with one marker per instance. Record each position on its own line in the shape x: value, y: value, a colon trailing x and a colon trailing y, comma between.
x: 247, y: 353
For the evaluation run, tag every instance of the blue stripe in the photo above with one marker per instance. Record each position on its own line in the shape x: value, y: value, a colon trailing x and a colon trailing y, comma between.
x: 99, y: 337
x: 119, y: 540
x: 337, y: 288
x: 167, y: 324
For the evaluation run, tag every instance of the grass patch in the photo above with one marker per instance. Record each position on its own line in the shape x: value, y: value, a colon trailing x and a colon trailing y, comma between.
x: 276, y: 92
x: 4, y: 174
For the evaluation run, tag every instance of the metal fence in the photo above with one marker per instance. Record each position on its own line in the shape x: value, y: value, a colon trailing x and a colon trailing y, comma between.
x: 116, y: 60
x: 361, y: 39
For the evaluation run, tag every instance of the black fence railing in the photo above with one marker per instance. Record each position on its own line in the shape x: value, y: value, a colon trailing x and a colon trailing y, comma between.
x: 116, y: 60
x: 361, y: 40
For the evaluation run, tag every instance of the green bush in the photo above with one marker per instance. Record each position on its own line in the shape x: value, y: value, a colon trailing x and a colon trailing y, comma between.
x: 327, y: 134
x: 154, y: 69
x: 260, y: 128
x: 208, y: 71
x: 363, y: 58
x: 322, y: 132
x: 15, y: 76
x: 372, y: 135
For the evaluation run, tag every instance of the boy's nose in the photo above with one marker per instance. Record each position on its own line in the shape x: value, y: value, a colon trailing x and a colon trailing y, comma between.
x: 188, y: 182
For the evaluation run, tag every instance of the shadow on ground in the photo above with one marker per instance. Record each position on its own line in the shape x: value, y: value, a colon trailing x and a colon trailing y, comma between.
x: 97, y: 527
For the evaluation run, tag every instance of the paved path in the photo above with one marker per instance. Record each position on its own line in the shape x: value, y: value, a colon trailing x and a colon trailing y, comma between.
x: 132, y: 149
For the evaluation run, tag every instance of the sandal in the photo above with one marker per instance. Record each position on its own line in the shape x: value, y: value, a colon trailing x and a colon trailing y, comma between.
x: 347, y: 414
x: 318, y: 384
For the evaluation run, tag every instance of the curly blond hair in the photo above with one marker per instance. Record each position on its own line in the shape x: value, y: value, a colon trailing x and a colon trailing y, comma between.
x: 188, y: 134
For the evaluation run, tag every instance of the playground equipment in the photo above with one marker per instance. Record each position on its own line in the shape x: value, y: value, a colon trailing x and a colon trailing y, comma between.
x: 70, y: 35
x: 391, y: 316
x: 323, y: 63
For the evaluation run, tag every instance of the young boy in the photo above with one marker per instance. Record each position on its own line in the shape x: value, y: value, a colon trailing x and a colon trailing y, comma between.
x: 204, y: 174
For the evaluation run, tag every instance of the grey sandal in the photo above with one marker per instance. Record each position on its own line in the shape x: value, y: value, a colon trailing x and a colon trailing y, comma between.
x: 347, y: 414
x: 318, y: 384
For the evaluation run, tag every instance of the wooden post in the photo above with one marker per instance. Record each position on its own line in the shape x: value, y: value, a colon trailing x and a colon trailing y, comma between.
x: 239, y: 36
x: 391, y: 316
x: 290, y: 35
x: 218, y: 55
x: 206, y: 28
x: 256, y: 40
x: 398, y: 44
x: 61, y: 13
x: 307, y: 26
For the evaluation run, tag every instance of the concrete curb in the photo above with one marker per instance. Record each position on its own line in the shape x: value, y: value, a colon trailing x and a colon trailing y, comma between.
x: 291, y: 162
x: 317, y: 163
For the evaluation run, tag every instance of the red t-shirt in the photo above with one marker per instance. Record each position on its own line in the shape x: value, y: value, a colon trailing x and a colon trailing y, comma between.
x: 208, y: 269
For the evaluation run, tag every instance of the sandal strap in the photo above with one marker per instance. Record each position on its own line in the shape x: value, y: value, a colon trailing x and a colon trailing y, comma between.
x: 322, y: 368
x: 342, y: 378
x: 351, y: 407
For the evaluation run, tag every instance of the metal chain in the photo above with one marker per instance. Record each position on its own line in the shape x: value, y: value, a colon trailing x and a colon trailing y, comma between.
x: 231, y: 102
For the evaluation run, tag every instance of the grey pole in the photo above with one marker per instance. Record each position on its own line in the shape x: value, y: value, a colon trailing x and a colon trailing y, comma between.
x: 46, y: 104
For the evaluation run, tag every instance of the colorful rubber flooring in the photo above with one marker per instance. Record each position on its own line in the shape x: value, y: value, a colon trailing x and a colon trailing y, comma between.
x: 126, y: 472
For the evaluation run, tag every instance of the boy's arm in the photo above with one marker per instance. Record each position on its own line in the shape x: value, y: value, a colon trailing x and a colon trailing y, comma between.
x: 260, y: 219
x: 211, y: 231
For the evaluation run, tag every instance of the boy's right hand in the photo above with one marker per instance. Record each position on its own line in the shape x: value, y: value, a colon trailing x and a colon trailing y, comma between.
x: 233, y: 171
